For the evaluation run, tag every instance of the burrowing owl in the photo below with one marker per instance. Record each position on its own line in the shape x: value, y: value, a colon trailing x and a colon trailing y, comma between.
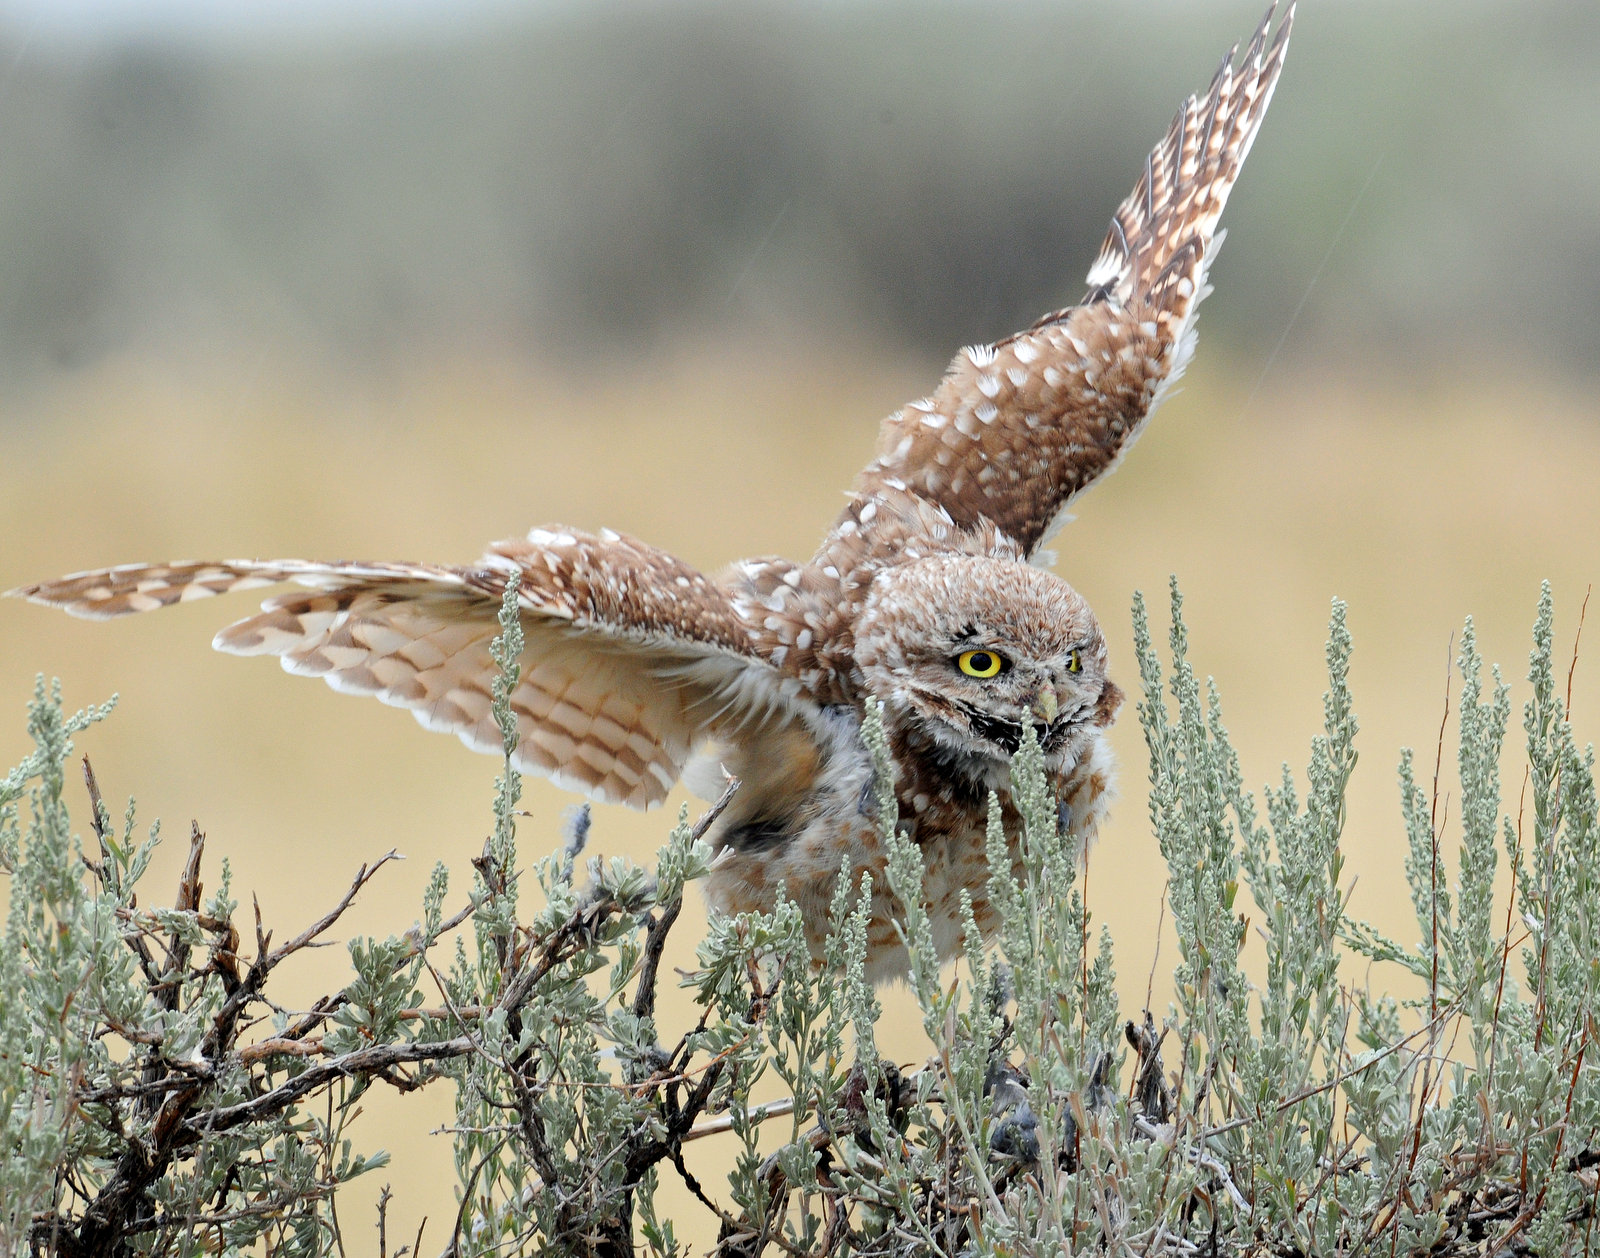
x: 639, y: 671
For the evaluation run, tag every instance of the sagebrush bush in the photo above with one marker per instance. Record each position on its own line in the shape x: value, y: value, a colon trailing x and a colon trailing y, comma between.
x: 153, y: 1102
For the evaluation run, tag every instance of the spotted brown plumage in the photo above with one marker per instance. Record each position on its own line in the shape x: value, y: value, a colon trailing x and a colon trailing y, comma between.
x: 1017, y: 429
x: 639, y: 671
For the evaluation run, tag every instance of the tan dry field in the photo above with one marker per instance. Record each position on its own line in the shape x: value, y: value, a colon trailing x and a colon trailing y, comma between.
x: 1417, y: 504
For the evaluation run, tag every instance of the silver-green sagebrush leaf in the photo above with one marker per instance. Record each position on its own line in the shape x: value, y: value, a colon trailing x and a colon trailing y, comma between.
x: 1297, y: 1106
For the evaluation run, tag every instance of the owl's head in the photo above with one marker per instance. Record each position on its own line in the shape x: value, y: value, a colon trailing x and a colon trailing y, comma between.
x: 966, y: 651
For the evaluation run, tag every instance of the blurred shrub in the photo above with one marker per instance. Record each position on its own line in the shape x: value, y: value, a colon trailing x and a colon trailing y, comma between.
x: 621, y: 174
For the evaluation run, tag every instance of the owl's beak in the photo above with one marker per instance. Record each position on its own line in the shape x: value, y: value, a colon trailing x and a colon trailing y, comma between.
x: 1045, y: 706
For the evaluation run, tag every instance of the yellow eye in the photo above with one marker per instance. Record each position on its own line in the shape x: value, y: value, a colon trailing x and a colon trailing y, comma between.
x: 979, y: 663
x: 1074, y: 663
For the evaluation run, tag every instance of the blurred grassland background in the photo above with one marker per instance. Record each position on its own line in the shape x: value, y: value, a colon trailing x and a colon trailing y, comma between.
x: 346, y: 286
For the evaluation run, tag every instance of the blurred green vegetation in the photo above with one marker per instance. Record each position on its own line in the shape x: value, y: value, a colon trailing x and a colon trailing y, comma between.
x: 612, y: 177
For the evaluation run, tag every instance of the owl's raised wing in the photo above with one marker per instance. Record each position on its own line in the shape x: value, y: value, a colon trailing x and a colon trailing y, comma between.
x: 1017, y: 429
x: 632, y: 658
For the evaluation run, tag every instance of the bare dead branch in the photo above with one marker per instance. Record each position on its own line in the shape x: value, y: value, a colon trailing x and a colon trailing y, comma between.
x: 644, y: 997
x: 347, y: 1065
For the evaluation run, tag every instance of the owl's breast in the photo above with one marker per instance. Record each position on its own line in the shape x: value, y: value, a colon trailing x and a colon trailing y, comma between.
x: 799, y: 832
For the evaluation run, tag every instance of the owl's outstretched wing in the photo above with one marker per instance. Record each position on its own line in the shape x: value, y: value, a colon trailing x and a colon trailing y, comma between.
x: 1017, y: 429
x: 632, y: 658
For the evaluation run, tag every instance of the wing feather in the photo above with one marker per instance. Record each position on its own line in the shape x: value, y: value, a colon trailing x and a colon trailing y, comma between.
x: 1017, y: 429
x: 632, y: 658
